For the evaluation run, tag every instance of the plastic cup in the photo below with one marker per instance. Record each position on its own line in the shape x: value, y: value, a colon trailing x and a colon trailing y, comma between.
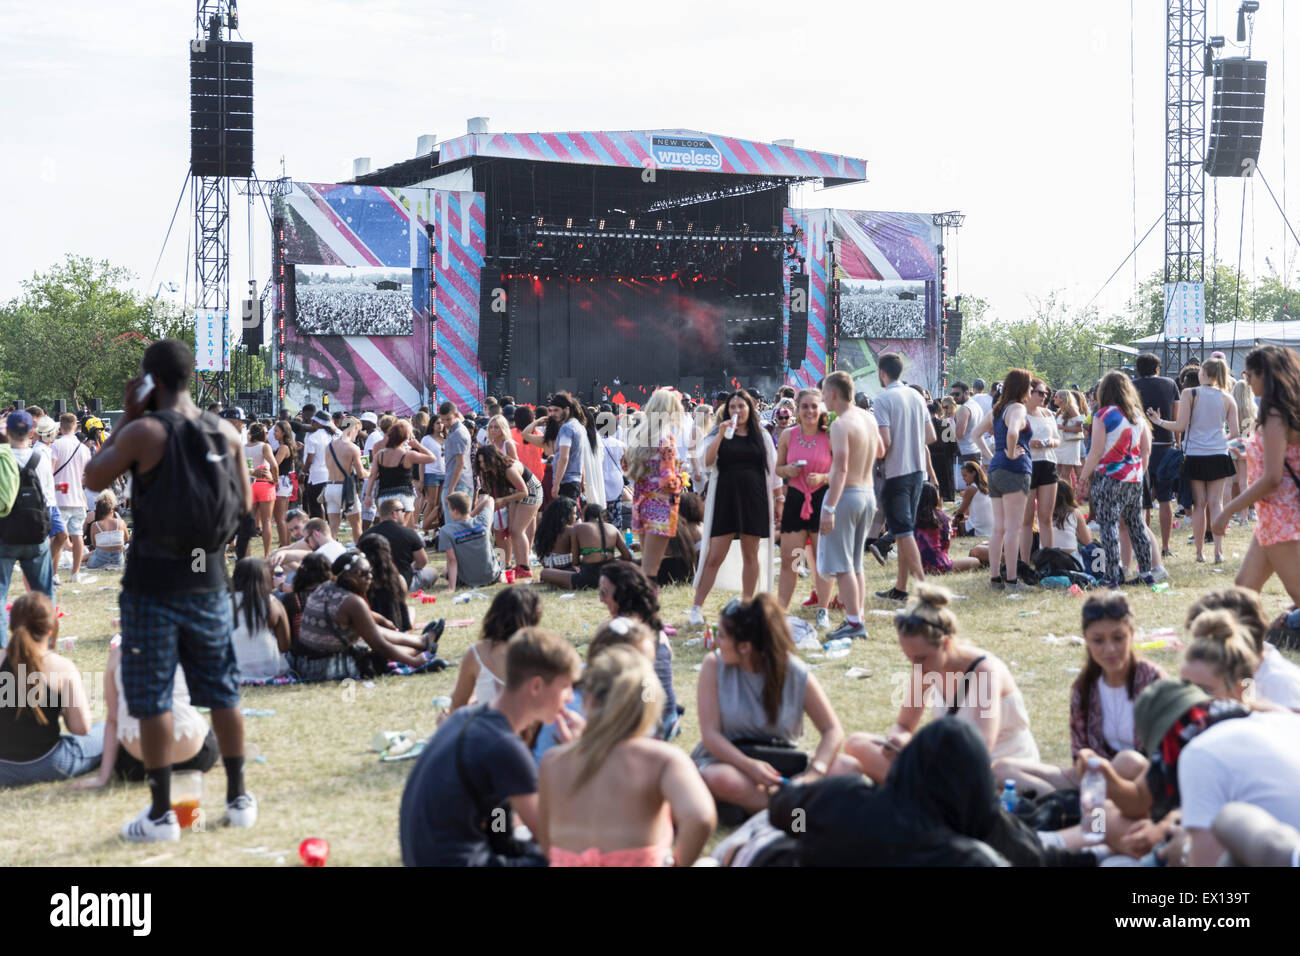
x: 314, y: 851
x: 187, y: 796
x: 510, y: 575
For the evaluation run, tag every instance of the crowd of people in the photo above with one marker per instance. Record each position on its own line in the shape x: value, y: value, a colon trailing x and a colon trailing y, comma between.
x: 544, y: 758
x: 331, y: 309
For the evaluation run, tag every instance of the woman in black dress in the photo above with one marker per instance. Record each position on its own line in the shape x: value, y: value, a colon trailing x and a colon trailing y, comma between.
x: 943, y: 451
x: 740, y: 497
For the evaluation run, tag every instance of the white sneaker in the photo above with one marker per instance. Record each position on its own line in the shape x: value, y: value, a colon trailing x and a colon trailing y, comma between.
x: 144, y: 830
x: 81, y: 577
x: 823, y: 619
x: 696, y: 619
x: 241, y: 812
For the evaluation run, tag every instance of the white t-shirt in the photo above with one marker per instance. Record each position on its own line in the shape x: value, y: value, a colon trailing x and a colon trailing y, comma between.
x: 1043, y: 427
x: 611, y: 463
x: 44, y: 474
x: 1066, y: 538
x: 332, y: 550
x: 980, y: 519
x: 1277, y: 679
x: 985, y: 401
x: 373, y: 439
x: 435, y: 467
x: 1253, y: 760
x: 1116, y: 716
x: 67, y: 448
x: 315, y: 445
x: 257, y: 654
x: 902, y: 410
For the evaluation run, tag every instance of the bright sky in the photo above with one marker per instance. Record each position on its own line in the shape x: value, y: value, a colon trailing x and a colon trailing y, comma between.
x: 1017, y: 113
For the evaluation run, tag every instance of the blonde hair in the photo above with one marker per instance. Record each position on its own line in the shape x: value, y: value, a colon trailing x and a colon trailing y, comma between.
x: 928, y: 616
x: 1220, y: 643
x: 500, y: 422
x: 1216, y: 370
x: 1245, y: 399
x: 664, y: 410
x: 1069, y: 404
x: 623, y: 699
x: 823, y: 419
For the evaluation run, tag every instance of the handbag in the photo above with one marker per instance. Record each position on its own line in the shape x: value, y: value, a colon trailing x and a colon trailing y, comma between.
x: 501, y: 848
x: 786, y: 759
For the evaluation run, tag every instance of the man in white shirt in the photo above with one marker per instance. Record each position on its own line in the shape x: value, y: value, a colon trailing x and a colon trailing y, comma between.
x: 315, y: 460
x: 68, y: 458
x: 981, y: 397
x: 906, y: 432
x: 1252, y: 759
x: 612, y: 469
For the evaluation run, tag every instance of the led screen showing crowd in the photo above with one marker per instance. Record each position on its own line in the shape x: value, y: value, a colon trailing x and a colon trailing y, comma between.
x: 352, y: 300
x: 882, y: 309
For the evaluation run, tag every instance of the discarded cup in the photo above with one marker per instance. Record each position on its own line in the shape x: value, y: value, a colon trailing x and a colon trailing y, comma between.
x: 442, y: 703
x: 68, y: 643
x: 431, y: 599
x: 510, y: 575
x: 314, y: 851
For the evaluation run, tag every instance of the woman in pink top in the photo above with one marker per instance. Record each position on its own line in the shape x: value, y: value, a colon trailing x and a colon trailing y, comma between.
x: 1272, y: 466
x: 803, y: 457
x: 611, y: 797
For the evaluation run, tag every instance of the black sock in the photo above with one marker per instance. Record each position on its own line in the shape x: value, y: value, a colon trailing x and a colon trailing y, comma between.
x: 160, y: 790
x: 234, y: 776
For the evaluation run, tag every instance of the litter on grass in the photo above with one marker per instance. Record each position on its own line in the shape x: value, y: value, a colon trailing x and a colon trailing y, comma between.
x: 251, y: 712
x: 857, y: 673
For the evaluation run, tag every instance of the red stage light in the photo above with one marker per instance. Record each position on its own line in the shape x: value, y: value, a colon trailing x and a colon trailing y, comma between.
x: 673, y: 276
x: 579, y: 245
x: 539, y: 245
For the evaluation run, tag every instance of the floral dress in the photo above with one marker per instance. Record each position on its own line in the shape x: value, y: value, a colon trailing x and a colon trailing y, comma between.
x: 1279, y: 512
x: 655, y: 495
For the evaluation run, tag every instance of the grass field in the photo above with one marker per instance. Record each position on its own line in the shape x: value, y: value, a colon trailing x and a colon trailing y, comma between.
x: 313, y: 772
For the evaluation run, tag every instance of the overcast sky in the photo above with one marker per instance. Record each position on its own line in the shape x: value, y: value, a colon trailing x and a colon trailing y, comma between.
x: 1016, y: 113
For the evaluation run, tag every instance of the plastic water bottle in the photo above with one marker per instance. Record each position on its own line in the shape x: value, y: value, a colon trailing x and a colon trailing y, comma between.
x: 1009, y: 796
x: 461, y: 599
x: 731, y: 427
x: 1092, y: 801
x: 838, y: 644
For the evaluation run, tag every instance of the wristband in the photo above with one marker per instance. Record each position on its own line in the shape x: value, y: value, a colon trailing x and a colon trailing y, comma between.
x: 828, y: 509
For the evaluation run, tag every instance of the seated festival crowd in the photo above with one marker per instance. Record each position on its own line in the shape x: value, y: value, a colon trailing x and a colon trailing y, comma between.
x: 546, y: 756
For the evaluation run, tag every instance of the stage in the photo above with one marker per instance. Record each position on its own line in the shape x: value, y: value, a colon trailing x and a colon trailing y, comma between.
x: 595, y: 262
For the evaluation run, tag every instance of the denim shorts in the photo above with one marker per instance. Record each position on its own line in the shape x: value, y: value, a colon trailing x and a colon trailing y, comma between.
x: 161, y: 630
x: 1003, y: 482
x: 433, y: 481
x: 57, y: 524
x: 901, y: 495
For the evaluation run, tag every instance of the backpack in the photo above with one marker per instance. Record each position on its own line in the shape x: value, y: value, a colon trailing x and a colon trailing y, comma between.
x: 197, y: 496
x: 29, y: 519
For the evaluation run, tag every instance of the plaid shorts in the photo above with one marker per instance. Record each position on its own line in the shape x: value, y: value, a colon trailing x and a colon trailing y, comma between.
x: 161, y: 630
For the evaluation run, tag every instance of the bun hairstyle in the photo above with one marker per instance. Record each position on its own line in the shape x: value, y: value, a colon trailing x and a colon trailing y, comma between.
x: 1243, y: 606
x: 1224, y: 645
x: 928, y: 616
x: 618, y: 631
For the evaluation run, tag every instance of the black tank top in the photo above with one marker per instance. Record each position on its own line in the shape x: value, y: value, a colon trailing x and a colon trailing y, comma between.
x: 21, y: 737
x: 397, y: 478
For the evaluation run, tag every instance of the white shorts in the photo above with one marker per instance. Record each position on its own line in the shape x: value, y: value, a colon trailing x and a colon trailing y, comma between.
x: 334, y: 500
x: 74, y: 519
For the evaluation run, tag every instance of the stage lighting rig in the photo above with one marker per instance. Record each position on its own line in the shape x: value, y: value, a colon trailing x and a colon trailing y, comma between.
x: 1247, y: 9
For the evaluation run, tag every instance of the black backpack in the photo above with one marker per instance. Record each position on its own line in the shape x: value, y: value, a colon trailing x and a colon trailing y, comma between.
x: 196, y: 498
x: 28, y: 521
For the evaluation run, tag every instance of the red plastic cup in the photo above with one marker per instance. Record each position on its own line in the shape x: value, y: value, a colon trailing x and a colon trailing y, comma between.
x: 428, y: 599
x: 510, y: 575
x: 314, y: 851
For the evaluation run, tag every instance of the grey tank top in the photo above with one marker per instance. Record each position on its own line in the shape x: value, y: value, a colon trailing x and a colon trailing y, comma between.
x: 740, y: 702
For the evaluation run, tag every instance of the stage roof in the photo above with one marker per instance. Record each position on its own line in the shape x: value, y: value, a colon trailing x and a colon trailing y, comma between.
x: 669, y: 149
x: 1239, y: 334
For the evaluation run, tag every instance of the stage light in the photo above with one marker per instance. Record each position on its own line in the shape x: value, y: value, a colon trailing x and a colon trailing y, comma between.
x: 539, y: 245
x: 631, y: 223
x: 540, y: 222
x: 602, y: 224
x: 690, y: 227
x: 659, y: 224
x: 568, y: 223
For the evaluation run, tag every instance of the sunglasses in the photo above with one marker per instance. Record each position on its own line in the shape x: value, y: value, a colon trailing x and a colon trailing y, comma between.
x: 732, y: 608
x: 782, y: 414
x: 1114, y: 607
x: 1039, y: 391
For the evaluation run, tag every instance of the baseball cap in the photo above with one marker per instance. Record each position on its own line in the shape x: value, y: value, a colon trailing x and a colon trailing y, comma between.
x: 1157, y: 707
x: 47, y: 427
x: 339, y: 417
x: 321, y: 418
x: 370, y: 417
x: 235, y: 414
x: 20, y: 421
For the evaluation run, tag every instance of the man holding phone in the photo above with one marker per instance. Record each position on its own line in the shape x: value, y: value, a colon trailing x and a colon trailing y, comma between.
x: 176, y: 607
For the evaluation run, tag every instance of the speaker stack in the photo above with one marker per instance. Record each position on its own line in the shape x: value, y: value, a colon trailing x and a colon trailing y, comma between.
x: 1236, y: 117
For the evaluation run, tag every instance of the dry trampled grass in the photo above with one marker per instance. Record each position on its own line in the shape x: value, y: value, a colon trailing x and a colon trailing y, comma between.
x: 313, y: 772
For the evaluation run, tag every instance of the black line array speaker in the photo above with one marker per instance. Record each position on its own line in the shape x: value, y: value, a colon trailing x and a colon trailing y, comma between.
x: 60, y: 407
x: 251, y: 315
x: 221, y: 109
x: 491, y: 323
x: 798, y: 346
x: 952, y: 340
x: 1236, y: 117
